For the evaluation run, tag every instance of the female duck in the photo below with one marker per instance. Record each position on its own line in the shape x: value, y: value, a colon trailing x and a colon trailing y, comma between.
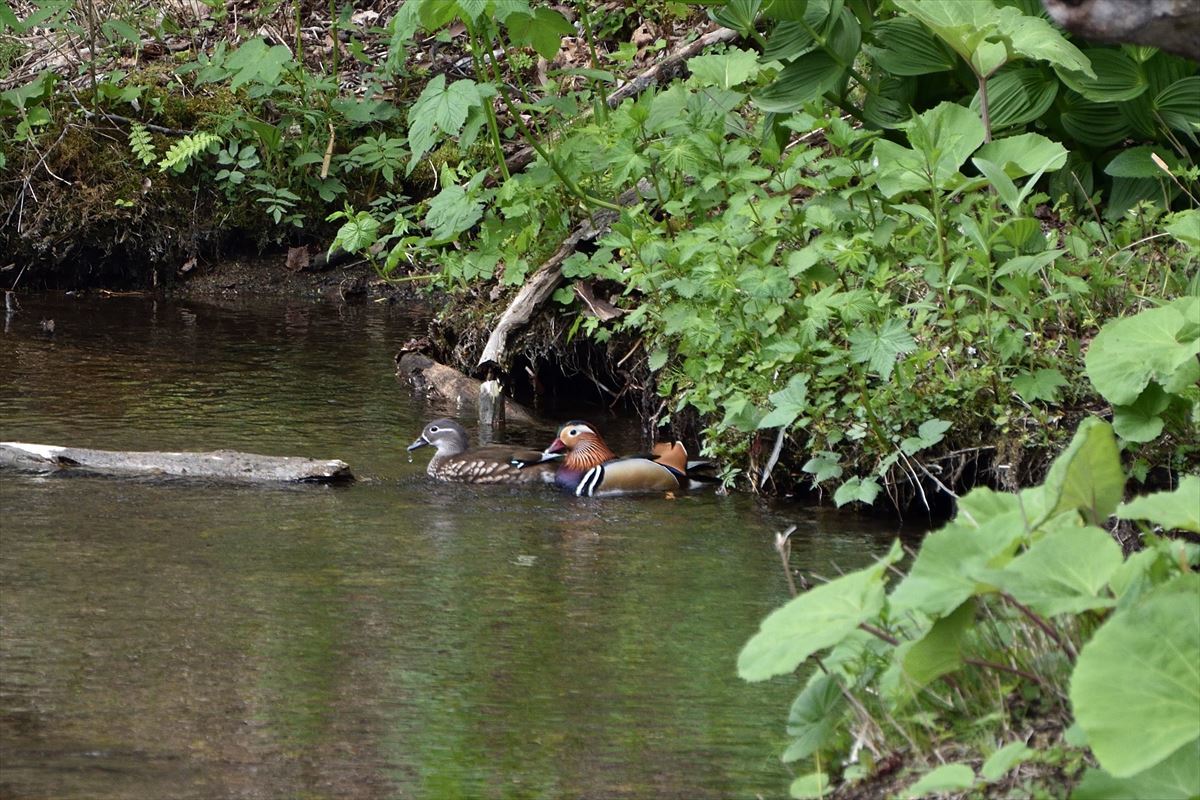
x: 455, y: 461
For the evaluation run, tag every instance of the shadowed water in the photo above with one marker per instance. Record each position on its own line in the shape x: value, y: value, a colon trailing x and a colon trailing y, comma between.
x: 395, y: 638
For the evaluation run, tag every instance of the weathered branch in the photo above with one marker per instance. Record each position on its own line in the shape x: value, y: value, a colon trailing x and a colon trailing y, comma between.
x: 227, y: 465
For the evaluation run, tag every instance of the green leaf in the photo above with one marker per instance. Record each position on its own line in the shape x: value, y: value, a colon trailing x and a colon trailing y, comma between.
x: 862, y: 490
x: 942, y: 576
x: 1117, y: 77
x: 451, y: 212
x: 807, y: 78
x: 1017, y: 95
x: 1179, y: 104
x: 1064, y: 572
x: 1040, y: 386
x: 1003, y: 760
x: 815, y: 716
x: 1177, y: 510
x: 1176, y: 778
x: 254, y: 61
x: 1138, y: 162
x: 731, y: 68
x: 1087, y: 475
x: 1185, y: 226
x: 1093, y: 124
x: 657, y: 359
x: 1130, y: 352
x: 439, y: 107
x: 930, y: 433
x: 880, y: 348
x: 938, y: 652
x: 908, y: 48
x: 823, y: 467
x: 1141, y: 421
x: 815, y: 620
x: 946, y: 778
x: 787, y: 404
x: 1136, y: 685
x: 542, y: 30
x: 942, y: 138
x: 807, y: 787
x: 1024, y: 155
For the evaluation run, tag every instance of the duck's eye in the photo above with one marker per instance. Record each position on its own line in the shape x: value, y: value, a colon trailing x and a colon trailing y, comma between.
x: 572, y: 432
x: 433, y: 428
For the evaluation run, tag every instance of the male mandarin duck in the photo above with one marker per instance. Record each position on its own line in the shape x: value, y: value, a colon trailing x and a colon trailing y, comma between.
x: 455, y: 461
x: 591, y: 469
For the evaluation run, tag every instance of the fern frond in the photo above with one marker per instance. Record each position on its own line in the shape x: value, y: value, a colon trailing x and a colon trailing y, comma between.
x: 140, y: 143
x: 180, y: 154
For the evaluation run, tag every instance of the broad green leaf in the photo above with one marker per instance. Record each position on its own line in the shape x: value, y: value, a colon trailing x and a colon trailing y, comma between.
x: 439, y: 107
x: 939, y: 651
x: 787, y: 404
x: 815, y: 620
x: 807, y: 78
x: 880, y: 348
x: 811, y: 786
x: 1117, y: 77
x: 965, y: 25
x: 1177, y: 510
x: 1136, y: 685
x: 908, y: 48
x: 1141, y: 421
x: 815, y: 716
x: 731, y: 68
x: 1179, y: 105
x: 1040, y: 386
x: 451, y: 212
x: 860, y: 490
x: 1003, y: 760
x: 1024, y: 154
x: 1185, y: 226
x: 1093, y: 124
x: 823, y: 467
x: 1138, y: 162
x: 1064, y: 572
x: 982, y: 504
x: 942, y: 575
x: 1017, y: 95
x: 255, y: 61
x: 1130, y: 352
x: 542, y: 29
x: 1176, y: 778
x: 942, y: 138
x: 930, y: 433
x: 657, y: 359
x: 946, y: 778
x: 1087, y: 476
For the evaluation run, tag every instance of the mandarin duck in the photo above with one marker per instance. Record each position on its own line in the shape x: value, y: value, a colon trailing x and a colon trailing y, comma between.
x: 455, y: 461
x: 591, y: 469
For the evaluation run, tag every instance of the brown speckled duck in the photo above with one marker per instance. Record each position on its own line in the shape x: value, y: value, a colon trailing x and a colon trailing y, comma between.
x: 455, y: 461
x: 591, y: 469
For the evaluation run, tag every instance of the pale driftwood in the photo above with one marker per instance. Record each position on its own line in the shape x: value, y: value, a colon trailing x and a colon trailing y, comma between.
x: 226, y: 465
x: 1171, y: 25
x: 520, y: 159
x: 438, y: 381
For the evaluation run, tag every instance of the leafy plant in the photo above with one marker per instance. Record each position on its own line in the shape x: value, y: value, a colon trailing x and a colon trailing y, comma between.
x: 1020, y: 592
x: 180, y: 155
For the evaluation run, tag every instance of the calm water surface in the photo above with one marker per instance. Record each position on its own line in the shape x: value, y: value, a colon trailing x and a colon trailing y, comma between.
x: 393, y: 639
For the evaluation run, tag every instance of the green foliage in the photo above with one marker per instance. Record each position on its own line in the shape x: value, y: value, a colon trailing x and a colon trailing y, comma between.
x: 181, y: 154
x: 141, y: 145
x: 1000, y: 601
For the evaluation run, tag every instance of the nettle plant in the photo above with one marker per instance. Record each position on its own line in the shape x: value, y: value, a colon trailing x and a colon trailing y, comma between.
x: 1023, y: 603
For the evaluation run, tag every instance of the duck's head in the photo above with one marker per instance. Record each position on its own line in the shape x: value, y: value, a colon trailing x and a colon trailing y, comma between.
x: 582, y: 443
x: 446, y: 435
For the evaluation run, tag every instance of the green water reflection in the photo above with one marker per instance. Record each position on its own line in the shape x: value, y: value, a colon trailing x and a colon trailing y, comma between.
x: 395, y: 638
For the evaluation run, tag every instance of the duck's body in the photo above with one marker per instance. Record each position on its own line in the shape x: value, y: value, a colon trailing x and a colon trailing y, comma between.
x: 591, y: 469
x: 456, y: 461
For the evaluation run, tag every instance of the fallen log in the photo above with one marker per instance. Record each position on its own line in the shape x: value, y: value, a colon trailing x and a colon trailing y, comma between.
x: 1172, y: 25
x: 226, y: 465
x: 438, y: 381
